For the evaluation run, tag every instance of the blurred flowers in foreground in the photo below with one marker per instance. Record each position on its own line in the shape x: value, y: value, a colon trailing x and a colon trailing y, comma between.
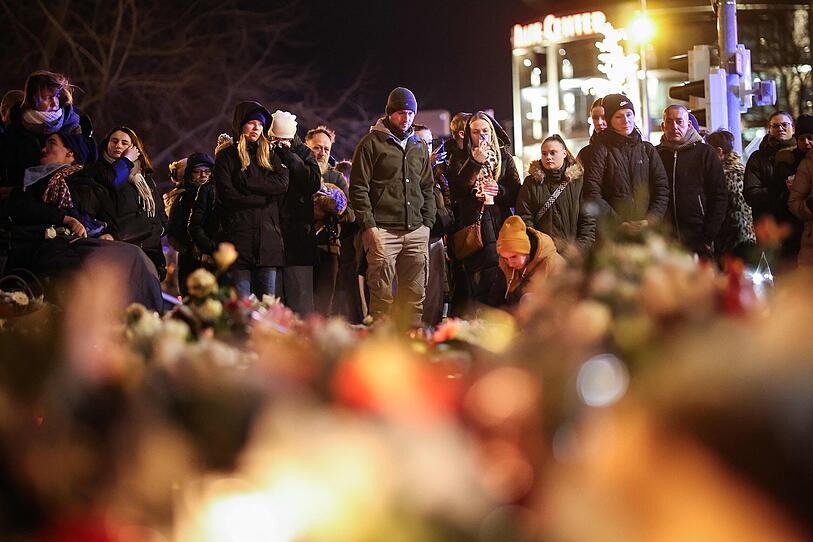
x: 649, y: 397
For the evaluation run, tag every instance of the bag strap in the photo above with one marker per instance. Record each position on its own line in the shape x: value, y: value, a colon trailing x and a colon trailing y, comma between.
x: 552, y: 198
x: 480, y: 214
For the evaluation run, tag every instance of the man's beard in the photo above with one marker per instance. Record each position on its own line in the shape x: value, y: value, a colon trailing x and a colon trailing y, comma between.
x: 324, y: 165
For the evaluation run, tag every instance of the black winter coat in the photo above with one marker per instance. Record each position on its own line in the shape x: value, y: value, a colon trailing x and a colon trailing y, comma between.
x: 698, y: 198
x: 304, y: 180
x: 567, y: 221
x: 128, y: 213
x: 204, y: 225
x: 766, y: 191
x: 467, y: 206
x: 178, y: 220
x: 249, y: 207
x: 626, y: 178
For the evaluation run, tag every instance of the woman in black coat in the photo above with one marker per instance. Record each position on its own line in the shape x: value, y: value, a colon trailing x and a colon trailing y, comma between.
x: 126, y: 171
x: 250, y: 182
x: 484, y: 185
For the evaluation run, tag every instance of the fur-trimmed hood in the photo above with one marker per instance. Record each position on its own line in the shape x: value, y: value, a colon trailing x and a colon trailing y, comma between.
x: 537, y: 171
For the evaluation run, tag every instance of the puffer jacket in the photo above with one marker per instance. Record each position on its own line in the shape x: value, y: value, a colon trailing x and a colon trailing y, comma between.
x: 625, y: 177
x: 390, y: 184
x: 568, y: 221
x: 512, y: 284
x: 697, y: 195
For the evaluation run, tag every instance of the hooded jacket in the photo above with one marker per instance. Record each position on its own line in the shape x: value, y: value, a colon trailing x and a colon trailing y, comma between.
x: 544, y: 261
x: 249, y: 201
x: 567, y: 221
x: 391, y: 181
x: 462, y: 175
x: 625, y: 177
x: 697, y: 197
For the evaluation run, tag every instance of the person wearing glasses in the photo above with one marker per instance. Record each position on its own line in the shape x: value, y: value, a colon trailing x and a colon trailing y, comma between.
x: 179, y: 202
x: 768, y: 175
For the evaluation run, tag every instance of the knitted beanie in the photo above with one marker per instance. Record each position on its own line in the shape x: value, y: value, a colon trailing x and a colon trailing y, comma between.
x: 401, y: 99
x: 82, y: 147
x: 514, y: 236
x: 613, y: 103
x: 283, y: 125
x: 257, y: 114
x: 804, y: 125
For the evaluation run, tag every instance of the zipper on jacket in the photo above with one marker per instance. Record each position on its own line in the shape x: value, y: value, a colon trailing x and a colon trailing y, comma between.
x: 702, y: 211
x: 674, y: 196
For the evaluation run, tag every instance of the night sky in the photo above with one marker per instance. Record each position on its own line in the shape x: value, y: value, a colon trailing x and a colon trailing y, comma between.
x: 453, y: 55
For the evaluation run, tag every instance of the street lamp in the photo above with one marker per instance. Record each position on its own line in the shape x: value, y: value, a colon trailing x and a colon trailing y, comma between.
x: 641, y: 31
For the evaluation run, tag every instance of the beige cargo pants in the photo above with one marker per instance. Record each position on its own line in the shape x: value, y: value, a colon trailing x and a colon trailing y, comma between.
x: 400, y: 253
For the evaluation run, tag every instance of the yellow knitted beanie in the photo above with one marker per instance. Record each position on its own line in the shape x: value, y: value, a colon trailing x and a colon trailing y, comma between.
x: 514, y: 237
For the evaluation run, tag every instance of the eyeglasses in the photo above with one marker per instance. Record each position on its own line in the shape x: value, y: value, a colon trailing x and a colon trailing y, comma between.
x: 784, y: 125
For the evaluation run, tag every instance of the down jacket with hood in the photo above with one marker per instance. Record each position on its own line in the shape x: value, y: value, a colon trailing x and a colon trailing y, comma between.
x: 391, y: 182
x: 568, y: 221
x: 462, y: 175
x: 512, y: 284
x: 249, y: 200
x: 625, y: 176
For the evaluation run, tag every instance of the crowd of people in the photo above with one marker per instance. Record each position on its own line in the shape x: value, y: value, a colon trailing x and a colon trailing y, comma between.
x: 441, y: 229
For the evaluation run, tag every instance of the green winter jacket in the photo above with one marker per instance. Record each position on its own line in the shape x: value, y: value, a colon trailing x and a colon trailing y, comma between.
x: 391, y: 186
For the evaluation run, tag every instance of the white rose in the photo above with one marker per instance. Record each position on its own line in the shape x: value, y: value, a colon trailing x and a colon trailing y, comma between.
x: 19, y: 298
x: 211, y: 309
x: 50, y: 233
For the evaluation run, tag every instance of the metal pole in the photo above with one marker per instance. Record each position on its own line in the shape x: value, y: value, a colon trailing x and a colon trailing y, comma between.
x: 645, y: 120
x: 516, y: 61
x: 727, y: 33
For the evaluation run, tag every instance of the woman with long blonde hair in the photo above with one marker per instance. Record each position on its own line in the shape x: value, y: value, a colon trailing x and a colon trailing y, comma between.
x: 484, y: 185
x: 250, y: 182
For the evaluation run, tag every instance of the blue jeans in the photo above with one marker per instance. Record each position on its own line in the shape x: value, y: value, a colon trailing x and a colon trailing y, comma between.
x: 257, y: 281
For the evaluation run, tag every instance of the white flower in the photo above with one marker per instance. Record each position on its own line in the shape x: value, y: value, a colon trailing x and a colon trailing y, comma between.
x: 19, y: 298
x: 50, y: 233
x: 201, y: 283
x: 211, y: 309
x: 225, y: 255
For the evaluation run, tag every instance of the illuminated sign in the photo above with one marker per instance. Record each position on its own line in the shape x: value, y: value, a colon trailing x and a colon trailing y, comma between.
x: 554, y: 29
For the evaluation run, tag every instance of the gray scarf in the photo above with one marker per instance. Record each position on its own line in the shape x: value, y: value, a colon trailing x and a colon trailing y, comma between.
x: 689, y: 138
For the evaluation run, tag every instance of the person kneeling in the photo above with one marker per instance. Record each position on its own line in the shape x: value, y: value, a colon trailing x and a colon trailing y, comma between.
x: 524, y: 253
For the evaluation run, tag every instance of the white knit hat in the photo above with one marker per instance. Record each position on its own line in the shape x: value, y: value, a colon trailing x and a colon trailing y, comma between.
x: 283, y: 125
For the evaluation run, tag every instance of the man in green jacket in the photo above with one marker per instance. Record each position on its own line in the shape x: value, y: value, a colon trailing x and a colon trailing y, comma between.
x: 391, y: 194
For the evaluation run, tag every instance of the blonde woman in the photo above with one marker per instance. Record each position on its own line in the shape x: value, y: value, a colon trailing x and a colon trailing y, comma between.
x: 250, y: 182
x: 484, y: 185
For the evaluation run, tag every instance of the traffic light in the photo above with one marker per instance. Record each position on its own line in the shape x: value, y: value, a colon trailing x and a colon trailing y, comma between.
x: 705, y: 90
